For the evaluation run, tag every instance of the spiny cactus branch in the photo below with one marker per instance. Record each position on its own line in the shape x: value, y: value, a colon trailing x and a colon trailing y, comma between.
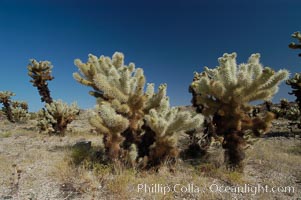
x: 40, y: 72
x: 293, y: 45
x: 5, y: 99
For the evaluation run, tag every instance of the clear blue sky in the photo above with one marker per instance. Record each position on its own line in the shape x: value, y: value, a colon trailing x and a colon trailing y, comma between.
x: 169, y: 39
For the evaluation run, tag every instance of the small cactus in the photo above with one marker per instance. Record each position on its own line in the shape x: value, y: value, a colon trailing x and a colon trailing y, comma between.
x: 55, y: 117
x: 20, y: 111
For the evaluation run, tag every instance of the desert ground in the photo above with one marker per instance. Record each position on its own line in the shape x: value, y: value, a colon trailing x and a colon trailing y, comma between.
x: 39, y: 166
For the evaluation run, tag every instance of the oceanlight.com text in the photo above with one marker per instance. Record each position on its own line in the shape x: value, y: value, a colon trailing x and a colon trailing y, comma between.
x: 213, y: 188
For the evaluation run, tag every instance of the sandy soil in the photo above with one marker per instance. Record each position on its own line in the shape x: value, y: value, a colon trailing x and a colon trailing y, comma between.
x: 35, y: 166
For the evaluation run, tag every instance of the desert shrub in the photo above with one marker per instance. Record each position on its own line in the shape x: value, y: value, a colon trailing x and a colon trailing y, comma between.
x: 138, y: 125
x: 225, y: 93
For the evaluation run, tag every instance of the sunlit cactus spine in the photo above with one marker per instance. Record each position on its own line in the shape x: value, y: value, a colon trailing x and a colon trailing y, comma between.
x: 293, y: 45
x: 225, y: 93
x: 129, y: 116
x: 5, y: 99
x: 40, y: 72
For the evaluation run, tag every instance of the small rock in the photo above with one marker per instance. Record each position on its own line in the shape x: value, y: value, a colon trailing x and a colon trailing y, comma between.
x: 83, y: 145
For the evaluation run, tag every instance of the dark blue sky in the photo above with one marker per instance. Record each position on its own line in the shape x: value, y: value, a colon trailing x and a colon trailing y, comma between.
x: 169, y: 39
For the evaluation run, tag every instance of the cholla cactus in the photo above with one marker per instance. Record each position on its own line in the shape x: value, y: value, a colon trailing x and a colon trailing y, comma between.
x: 225, y: 93
x: 293, y: 45
x: 126, y: 112
x: 295, y: 83
x: 255, y: 111
x: 56, y: 116
x: 165, y: 122
x: 293, y: 113
x: 20, y: 111
x: 5, y: 99
x: 20, y: 104
x: 268, y: 104
x: 20, y: 115
x: 43, y: 123
x: 40, y: 72
x: 284, y: 104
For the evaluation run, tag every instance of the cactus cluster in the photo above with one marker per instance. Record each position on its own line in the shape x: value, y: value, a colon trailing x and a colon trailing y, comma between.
x: 135, y: 122
x: 286, y: 110
x: 225, y: 93
x: 292, y: 113
x: 293, y: 45
x: 56, y: 115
